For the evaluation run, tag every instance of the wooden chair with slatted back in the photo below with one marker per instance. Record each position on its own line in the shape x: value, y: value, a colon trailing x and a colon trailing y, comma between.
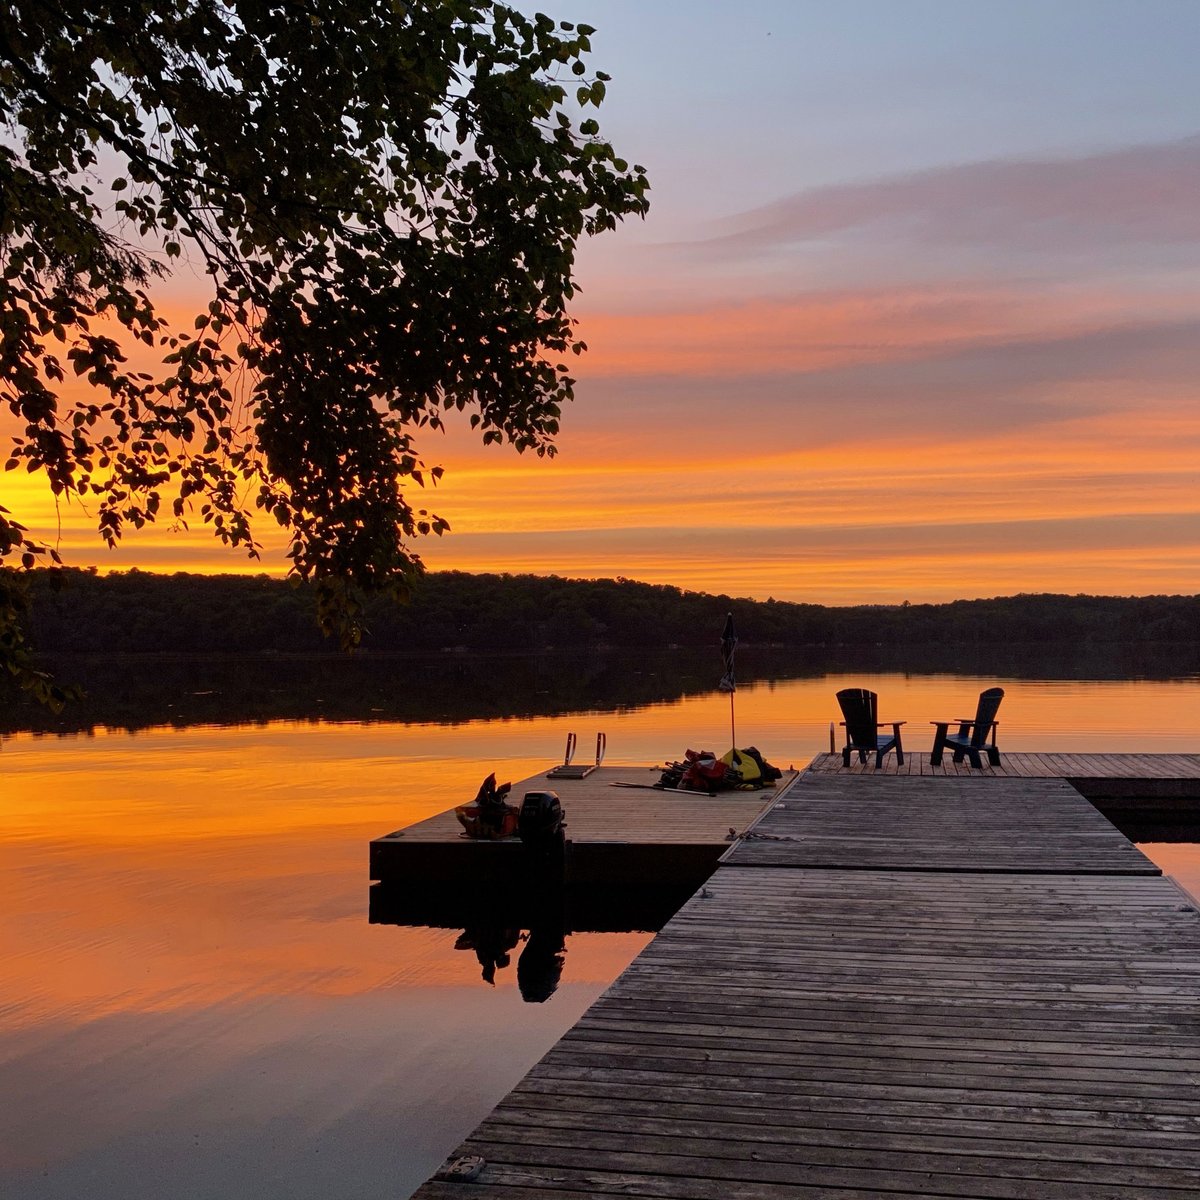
x: 972, y: 736
x: 861, y: 710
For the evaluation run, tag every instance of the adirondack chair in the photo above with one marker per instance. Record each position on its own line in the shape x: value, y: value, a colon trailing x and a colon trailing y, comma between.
x: 861, y: 708
x: 972, y: 736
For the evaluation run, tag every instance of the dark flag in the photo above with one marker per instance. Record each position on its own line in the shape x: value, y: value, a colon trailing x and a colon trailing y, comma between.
x: 728, y: 648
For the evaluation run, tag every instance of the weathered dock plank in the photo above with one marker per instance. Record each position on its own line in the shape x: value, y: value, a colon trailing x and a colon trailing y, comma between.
x: 815, y: 1032
x: 927, y: 985
x: 1145, y: 792
x: 1028, y: 765
x: 932, y: 823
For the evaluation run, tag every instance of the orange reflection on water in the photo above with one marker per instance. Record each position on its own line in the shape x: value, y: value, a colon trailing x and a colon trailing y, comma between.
x: 179, y: 866
x: 192, y: 989
x: 190, y: 975
x: 331, y: 783
x: 1180, y: 860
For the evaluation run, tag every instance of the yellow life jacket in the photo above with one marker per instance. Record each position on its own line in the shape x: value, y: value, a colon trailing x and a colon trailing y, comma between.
x: 745, y: 766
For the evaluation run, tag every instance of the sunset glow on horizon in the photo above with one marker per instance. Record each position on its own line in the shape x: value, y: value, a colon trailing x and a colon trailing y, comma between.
x: 915, y: 316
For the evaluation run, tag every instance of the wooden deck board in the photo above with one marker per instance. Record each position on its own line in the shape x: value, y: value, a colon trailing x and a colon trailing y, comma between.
x: 1029, y: 1036
x: 950, y: 983
x: 1053, y: 765
x: 596, y: 810
x: 623, y: 832
x: 937, y: 824
x: 614, y: 833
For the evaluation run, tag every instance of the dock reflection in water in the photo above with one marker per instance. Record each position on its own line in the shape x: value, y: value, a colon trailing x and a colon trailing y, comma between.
x: 194, y: 1002
x: 534, y: 922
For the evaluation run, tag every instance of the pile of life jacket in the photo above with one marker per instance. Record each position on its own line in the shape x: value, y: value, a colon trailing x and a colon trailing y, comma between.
x: 702, y: 771
x: 489, y: 816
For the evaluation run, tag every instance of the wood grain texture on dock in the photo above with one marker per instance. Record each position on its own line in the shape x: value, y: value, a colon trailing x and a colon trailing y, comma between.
x: 910, y: 1017
x: 938, y: 824
x: 598, y: 810
x: 1022, y: 765
x: 618, y: 826
x: 796, y: 1033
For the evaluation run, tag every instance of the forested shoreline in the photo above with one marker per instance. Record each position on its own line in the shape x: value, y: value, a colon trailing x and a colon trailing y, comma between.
x: 148, y: 649
x: 137, y: 612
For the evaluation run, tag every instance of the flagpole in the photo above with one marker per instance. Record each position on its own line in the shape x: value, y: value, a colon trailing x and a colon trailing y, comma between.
x: 728, y: 684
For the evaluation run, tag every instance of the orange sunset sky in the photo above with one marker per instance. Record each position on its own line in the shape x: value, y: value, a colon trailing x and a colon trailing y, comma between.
x: 914, y: 316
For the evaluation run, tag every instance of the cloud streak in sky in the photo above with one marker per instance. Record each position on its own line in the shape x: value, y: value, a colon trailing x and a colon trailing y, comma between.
x: 824, y: 333
x: 1140, y: 195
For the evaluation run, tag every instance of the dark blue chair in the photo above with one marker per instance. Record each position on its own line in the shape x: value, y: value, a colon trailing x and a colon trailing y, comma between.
x: 861, y: 710
x: 972, y: 736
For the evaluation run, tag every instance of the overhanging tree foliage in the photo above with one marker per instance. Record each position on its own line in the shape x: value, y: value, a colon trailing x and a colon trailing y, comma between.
x: 385, y: 200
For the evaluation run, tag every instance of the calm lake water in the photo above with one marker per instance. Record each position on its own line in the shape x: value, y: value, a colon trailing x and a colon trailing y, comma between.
x: 194, y: 1002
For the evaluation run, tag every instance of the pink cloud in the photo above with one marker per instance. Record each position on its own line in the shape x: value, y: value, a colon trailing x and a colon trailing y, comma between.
x: 1138, y: 194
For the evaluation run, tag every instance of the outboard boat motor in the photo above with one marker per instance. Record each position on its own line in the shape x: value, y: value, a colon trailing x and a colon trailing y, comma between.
x: 540, y: 826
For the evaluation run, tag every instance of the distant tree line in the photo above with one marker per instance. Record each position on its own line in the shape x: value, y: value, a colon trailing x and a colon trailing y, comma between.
x: 146, y: 650
x: 137, y: 612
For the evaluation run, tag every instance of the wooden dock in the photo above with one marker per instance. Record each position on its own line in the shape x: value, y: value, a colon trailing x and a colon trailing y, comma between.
x: 619, y: 829
x: 893, y: 986
x: 1137, y: 769
x: 1125, y: 787
x: 1039, y: 826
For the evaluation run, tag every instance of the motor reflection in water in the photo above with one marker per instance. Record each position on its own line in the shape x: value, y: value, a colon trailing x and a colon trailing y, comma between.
x: 540, y: 966
x: 532, y: 920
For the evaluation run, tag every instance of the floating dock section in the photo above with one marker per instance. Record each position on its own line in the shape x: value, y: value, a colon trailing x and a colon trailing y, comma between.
x: 893, y: 986
x: 620, y: 829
